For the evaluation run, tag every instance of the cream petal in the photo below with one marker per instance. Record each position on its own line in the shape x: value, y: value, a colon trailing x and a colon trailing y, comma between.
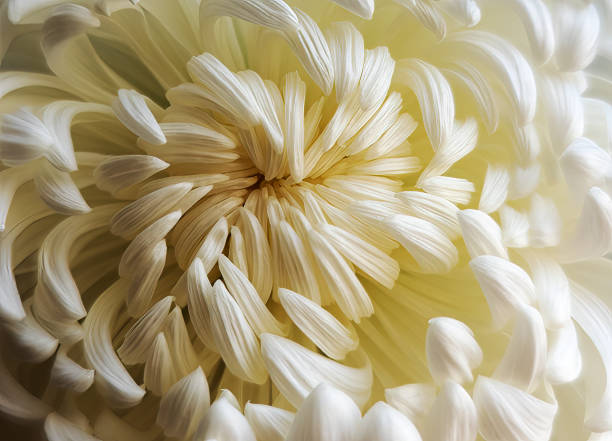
x: 481, y: 234
x: 505, y: 412
x: 213, y: 245
x: 223, y: 422
x: 435, y: 209
x: 453, y: 415
x: 495, y: 188
x: 184, y: 405
x: 378, y: 68
x: 362, y: 8
x: 577, y: 34
x: 233, y: 337
x: 295, y: 94
x: 327, y: 332
x: 524, y: 361
x: 59, y: 191
x: 257, y: 253
x: 455, y: 190
x: 199, y: 287
x: 584, y: 165
x: 68, y: 374
x: 452, y: 351
x: 275, y: 14
x: 383, y: 422
x: 132, y: 110
x: 413, y: 400
x: 245, y: 294
x: 139, y: 338
x: 348, y: 54
x: 112, y: 379
x: 425, y: 242
x: 310, y: 47
x: 563, y: 361
x: 296, y: 371
x: 24, y: 137
x: 537, y: 22
x: 181, y: 350
x: 58, y: 428
x: 326, y: 413
x: 269, y: 423
x: 120, y: 172
x: 515, y: 227
x: 507, y: 64
x: 505, y: 286
x: 435, y: 98
x: 428, y: 16
x: 159, y: 372
x: 347, y: 290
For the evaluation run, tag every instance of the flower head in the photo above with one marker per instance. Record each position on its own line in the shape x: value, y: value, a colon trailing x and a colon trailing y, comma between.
x: 306, y: 220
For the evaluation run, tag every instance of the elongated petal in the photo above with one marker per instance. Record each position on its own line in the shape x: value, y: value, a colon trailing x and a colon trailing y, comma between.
x: 384, y: 422
x: 58, y: 428
x: 576, y: 31
x: 185, y: 403
x: 296, y: 371
x: 362, y: 8
x: 413, y: 400
x: 453, y: 415
x: 378, y: 68
x: 199, y: 287
x: 59, y: 191
x: 481, y: 234
x: 524, y: 361
x: 452, y: 351
x: 505, y: 286
x: 223, y: 422
x: 131, y: 109
x: 120, y: 172
x: 505, y: 412
x: 268, y: 422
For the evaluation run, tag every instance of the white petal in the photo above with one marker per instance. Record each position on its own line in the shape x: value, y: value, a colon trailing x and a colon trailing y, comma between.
x: 296, y: 371
x: 23, y: 138
x: 455, y: 190
x: 362, y: 8
x: 327, y: 413
x: 584, y: 165
x: 544, y: 222
x: 159, y: 373
x: 223, y: 422
x: 595, y: 319
x: 593, y: 234
x: 233, y: 337
x: 460, y: 143
x: 346, y: 288
x: 526, y: 143
x: 505, y: 286
x: 68, y: 374
x: 185, y: 403
x: 452, y: 351
x: 375, y: 263
x: 465, y: 12
x: 425, y: 242
x: 577, y: 33
x: 524, y: 361
x: 348, y: 54
x: 139, y: 338
x: 453, y: 415
x: 227, y: 89
x: 537, y: 22
x: 245, y: 294
x: 524, y: 181
x: 269, y: 423
x: 181, y: 350
x: 135, y: 217
x: 327, y: 332
x: 552, y: 290
x: 508, y: 65
x: 394, y: 137
x: 275, y: 14
x: 481, y: 234
x: 427, y: 14
x: 413, y: 400
x: 112, y: 379
x: 515, y: 227
x: 199, y: 287
x: 437, y: 210
x: 383, y: 422
x: 213, y: 244
x: 119, y: 172
x: 58, y: 428
x: 505, y: 412
x: 378, y: 67
x: 564, y: 361
x: 58, y: 190
x: 495, y: 188
x: 295, y: 95
x: 257, y: 253
x: 132, y: 110
x: 435, y: 98
x: 310, y: 47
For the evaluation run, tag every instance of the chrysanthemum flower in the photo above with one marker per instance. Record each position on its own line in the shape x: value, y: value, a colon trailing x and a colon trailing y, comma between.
x: 307, y: 220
